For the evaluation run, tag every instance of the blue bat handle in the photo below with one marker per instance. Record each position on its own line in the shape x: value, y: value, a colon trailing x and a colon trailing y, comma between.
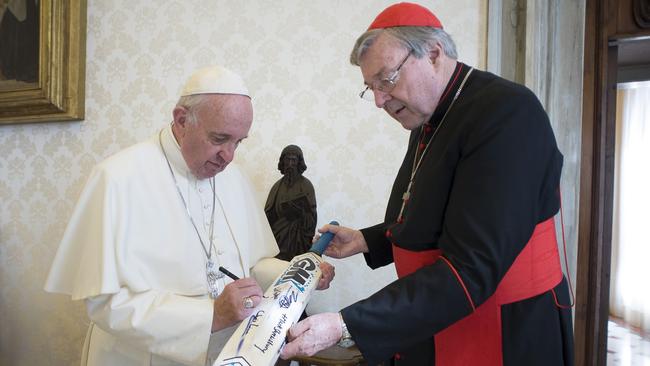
x: 323, y: 242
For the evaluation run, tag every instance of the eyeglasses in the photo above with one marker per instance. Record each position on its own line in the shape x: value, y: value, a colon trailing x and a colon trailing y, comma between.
x: 385, y: 85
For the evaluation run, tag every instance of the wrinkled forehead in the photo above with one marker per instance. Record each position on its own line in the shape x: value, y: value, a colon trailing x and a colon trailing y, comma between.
x: 381, y: 57
x: 227, y: 105
x: 226, y: 113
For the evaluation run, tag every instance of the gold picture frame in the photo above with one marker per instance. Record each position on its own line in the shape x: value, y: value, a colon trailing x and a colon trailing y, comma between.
x: 58, y: 94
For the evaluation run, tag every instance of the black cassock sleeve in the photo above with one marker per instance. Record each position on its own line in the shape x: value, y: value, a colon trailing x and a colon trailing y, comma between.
x: 380, y: 251
x: 505, y: 180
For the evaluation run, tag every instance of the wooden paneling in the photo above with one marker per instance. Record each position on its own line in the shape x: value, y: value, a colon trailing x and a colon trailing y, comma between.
x: 632, y: 19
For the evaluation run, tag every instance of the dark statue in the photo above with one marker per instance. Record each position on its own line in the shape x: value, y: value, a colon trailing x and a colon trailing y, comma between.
x: 291, y: 205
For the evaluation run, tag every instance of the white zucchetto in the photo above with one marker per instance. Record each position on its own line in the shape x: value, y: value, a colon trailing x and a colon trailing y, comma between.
x: 215, y: 80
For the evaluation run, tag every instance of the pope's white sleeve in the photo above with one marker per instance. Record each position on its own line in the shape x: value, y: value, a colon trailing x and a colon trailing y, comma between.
x: 172, y: 326
x: 266, y: 270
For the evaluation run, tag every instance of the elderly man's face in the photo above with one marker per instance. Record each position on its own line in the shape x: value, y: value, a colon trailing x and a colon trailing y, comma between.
x: 418, y: 88
x: 208, y: 145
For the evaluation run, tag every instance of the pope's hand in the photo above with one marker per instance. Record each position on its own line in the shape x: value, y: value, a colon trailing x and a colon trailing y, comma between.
x: 346, y: 241
x: 311, y: 335
x: 235, y: 303
x: 326, y: 277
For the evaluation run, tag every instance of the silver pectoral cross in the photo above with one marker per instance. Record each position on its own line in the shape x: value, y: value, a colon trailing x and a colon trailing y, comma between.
x: 213, y: 275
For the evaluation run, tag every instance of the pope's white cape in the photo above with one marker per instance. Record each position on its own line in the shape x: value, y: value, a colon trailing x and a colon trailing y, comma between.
x: 129, y: 239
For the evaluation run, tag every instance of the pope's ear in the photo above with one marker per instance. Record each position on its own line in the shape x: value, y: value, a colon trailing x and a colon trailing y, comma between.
x: 180, y: 115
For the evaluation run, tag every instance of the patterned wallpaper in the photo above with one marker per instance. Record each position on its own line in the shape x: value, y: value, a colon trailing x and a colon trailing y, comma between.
x: 293, y: 55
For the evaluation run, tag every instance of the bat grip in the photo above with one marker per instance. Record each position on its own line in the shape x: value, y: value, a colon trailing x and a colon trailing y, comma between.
x: 323, y: 242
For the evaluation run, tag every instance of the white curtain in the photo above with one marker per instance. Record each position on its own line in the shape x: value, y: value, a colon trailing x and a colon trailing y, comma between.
x: 630, y: 281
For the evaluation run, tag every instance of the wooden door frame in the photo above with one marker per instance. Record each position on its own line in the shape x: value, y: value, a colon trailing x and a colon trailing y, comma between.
x: 607, y: 22
x: 596, y: 186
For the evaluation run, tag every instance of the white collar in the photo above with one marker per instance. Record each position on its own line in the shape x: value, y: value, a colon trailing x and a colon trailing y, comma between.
x: 173, y: 150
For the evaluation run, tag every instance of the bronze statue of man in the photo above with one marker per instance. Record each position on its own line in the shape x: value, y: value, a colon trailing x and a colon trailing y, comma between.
x: 291, y: 205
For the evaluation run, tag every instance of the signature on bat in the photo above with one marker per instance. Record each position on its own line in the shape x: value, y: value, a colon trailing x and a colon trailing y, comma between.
x: 287, y: 299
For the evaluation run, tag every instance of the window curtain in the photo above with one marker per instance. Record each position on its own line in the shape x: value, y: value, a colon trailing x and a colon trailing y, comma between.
x: 630, y: 289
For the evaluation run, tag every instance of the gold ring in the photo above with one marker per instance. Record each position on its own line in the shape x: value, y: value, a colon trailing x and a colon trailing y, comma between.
x: 248, y: 303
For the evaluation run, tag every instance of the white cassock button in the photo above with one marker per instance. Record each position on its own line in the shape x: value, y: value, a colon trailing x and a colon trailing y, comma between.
x: 205, y: 206
x: 200, y: 189
x: 219, y: 252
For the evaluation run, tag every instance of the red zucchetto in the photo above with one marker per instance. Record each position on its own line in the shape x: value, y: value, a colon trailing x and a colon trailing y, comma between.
x: 405, y: 15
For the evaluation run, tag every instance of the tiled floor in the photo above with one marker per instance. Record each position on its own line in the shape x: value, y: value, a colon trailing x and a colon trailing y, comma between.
x: 626, y: 346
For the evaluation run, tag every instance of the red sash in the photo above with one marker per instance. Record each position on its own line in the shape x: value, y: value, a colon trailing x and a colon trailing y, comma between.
x: 476, y: 339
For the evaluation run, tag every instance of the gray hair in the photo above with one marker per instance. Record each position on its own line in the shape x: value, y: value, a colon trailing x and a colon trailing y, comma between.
x: 192, y: 104
x: 419, y: 40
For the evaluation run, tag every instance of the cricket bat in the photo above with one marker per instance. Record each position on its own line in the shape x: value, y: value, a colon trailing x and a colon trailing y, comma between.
x: 258, y: 340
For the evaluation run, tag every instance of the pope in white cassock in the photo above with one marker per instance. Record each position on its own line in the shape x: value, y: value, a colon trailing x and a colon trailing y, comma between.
x: 153, y: 224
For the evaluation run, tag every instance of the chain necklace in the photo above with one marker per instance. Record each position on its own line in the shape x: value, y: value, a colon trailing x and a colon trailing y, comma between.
x: 418, y: 160
x: 211, y: 269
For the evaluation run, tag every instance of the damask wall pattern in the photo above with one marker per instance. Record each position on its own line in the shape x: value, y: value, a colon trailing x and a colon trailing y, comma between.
x: 293, y: 55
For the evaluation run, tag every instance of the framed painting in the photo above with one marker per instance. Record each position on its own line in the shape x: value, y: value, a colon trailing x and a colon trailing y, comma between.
x: 42, y: 60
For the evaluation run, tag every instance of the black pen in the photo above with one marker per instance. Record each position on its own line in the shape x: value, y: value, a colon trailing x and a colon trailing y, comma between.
x: 228, y: 273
